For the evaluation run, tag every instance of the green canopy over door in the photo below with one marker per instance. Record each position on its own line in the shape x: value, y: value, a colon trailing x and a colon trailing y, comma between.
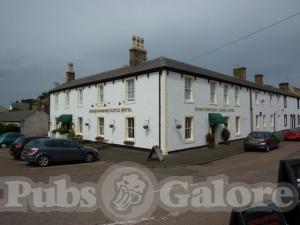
x: 65, y: 118
x: 215, y: 118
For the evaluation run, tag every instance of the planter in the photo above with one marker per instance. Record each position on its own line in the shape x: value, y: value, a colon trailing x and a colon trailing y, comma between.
x: 99, y: 138
x: 128, y: 142
x: 111, y: 125
x: 226, y: 135
x: 210, y: 139
x: 178, y: 126
x: 146, y: 127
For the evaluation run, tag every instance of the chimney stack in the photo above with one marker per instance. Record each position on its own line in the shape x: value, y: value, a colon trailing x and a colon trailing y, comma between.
x: 259, y: 79
x: 284, y: 86
x: 240, y: 73
x: 70, y: 73
x: 138, y: 53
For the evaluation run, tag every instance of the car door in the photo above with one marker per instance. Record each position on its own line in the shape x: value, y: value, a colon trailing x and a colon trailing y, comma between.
x: 54, y: 149
x: 72, y: 151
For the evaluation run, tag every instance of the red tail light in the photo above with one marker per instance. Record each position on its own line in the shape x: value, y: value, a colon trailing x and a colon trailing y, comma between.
x: 32, y: 151
x: 19, y: 145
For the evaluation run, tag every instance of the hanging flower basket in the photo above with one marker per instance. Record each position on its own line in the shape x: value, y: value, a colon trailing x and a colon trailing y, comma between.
x: 146, y: 127
x: 178, y: 126
x: 128, y: 142
x: 111, y: 125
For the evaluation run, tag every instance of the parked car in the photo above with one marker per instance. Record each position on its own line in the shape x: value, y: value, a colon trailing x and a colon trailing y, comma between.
x: 44, y: 151
x: 8, y: 138
x: 18, y: 145
x: 261, y: 140
x: 292, y: 134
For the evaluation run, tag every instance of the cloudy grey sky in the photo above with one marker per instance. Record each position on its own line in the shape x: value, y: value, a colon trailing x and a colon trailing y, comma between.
x: 38, y: 38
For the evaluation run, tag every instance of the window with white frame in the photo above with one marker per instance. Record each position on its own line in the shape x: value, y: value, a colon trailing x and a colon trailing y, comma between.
x: 130, y: 128
x: 285, y: 120
x: 272, y: 120
x: 56, y: 100
x: 56, y: 123
x: 100, y: 98
x: 80, y: 96
x: 257, y: 121
x: 188, y: 89
x: 130, y: 90
x: 278, y: 99
x: 298, y: 103
x: 285, y: 101
x: 237, y: 96
x: 256, y: 98
x: 226, y: 121
x: 188, y: 131
x: 101, y: 126
x: 80, y: 125
x: 237, y: 125
x: 264, y: 121
x: 213, y: 94
x: 67, y: 99
x: 298, y: 120
x: 226, y: 97
x: 271, y: 99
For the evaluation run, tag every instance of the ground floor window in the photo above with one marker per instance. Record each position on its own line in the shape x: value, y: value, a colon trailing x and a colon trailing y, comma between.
x: 237, y: 125
x: 257, y: 122
x: 285, y: 120
x: 188, y: 128
x: 298, y: 120
x: 56, y: 123
x: 80, y: 125
x: 272, y: 121
x: 264, y: 121
x: 101, y: 126
x: 130, y: 128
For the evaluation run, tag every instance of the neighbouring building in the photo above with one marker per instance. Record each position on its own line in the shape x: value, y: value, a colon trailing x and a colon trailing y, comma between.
x: 168, y: 103
x: 31, y: 123
x: 3, y: 109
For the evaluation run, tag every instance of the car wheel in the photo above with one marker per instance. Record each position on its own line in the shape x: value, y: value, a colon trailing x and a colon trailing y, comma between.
x: 89, y: 157
x: 43, y: 160
x: 267, y: 148
x: 3, y: 145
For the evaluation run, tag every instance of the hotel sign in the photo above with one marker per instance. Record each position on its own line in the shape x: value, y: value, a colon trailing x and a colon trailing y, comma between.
x: 199, y: 109
x: 109, y: 110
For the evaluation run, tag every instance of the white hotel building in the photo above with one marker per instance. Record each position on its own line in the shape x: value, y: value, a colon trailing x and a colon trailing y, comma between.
x: 168, y: 103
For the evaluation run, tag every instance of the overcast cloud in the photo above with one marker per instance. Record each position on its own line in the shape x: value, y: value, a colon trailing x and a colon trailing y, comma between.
x: 38, y: 38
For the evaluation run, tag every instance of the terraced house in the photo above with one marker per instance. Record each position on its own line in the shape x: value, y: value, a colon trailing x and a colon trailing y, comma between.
x: 169, y: 103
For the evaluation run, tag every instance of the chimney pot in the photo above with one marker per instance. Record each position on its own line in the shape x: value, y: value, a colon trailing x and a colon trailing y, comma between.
x: 138, y: 53
x: 259, y: 79
x: 240, y: 73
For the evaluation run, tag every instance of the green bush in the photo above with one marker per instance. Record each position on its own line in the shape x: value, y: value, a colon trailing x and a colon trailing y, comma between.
x: 61, y: 131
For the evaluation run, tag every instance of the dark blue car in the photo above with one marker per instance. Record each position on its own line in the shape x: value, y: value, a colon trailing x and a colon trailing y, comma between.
x: 261, y: 140
x: 44, y: 151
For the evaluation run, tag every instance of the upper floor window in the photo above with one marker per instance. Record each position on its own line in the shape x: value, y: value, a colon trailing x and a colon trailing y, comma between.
x: 298, y: 120
x: 256, y: 98
x: 100, y: 95
x: 298, y: 103
x: 272, y: 120
x: 213, y: 94
x: 278, y: 99
x: 130, y: 90
x: 271, y: 99
x: 188, y: 89
x: 56, y: 100
x: 237, y: 96
x: 80, y: 96
x: 257, y: 122
x: 67, y: 99
x: 226, y: 97
x: 285, y: 101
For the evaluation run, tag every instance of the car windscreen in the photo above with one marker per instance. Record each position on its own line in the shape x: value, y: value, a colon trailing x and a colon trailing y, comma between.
x: 19, y: 140
x: 256, y: 136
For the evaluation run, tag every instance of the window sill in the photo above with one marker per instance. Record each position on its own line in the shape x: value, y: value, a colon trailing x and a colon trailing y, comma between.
x: 189, y: 141
x: 80, y: 106
x: 213, y: 104
x: 238, y: 135
x: 237, y: 105
x: 189, y: 102
x: 129, y: 103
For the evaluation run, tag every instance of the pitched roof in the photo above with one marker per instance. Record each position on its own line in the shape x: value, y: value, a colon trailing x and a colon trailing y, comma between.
x: 20, y: 105
x: 171, y: 65
x: 15, y: 116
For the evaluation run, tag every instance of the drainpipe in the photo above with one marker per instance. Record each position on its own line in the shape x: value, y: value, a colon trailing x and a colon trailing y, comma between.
x: 251, y: 111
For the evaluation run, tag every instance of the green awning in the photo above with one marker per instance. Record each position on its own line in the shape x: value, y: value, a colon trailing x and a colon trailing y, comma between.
x: 215, y: 118
x: 65, y: 118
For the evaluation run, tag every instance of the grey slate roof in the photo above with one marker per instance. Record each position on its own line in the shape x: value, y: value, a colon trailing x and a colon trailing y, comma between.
x: 15, y: 116
x: 171, y: 65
